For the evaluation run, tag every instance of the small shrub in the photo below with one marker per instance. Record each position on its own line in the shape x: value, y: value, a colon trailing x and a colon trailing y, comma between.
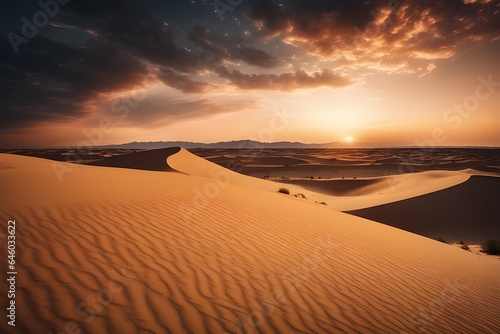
x: 302, y: 195
x: 441, y: 240
x: 284, y: 191
x: 491, y: 246
x: 461, y: 242
x: 465, y: 247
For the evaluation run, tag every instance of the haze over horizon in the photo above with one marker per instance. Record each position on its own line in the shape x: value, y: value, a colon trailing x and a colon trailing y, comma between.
x: 242, y: 144
x: 363, y: 73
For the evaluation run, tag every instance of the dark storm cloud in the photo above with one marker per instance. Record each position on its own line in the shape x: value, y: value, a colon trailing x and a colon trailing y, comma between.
x: 52, y: 80
x: 232, y: 48
x: 127, y: 44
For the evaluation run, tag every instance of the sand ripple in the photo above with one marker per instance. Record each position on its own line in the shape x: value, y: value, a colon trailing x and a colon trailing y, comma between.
x: 143, y: 267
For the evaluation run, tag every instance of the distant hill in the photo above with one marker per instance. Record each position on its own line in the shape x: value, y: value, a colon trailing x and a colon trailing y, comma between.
x: 237, y: 144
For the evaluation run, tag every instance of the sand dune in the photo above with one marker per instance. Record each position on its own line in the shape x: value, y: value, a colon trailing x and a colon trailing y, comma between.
x: 364, y: 193
x: 114, y: 250
x: 469, y: 211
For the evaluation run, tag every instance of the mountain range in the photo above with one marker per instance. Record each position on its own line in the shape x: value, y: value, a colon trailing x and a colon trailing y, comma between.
x: 236, y: 144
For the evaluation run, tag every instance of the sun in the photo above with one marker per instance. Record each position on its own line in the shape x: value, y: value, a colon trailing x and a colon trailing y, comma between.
x: 348, y: 139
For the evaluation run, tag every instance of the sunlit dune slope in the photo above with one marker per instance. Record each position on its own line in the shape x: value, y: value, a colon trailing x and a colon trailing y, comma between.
x: 113, y: 250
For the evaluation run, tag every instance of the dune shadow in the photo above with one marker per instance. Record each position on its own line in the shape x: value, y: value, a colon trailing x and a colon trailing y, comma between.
x: 469, y: 211
x: 153, y: 160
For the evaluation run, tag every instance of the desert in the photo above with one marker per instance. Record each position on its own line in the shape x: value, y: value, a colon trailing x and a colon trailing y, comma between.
x: 132, y: 250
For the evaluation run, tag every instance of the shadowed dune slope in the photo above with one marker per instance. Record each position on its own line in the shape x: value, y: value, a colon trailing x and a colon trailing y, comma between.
x: 336, y: 187
x: 469, y: 211
x: 155, y: 160
x: 111, y: 250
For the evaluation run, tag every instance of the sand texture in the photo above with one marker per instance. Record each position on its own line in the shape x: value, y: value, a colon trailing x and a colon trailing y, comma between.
x: 195, y: 248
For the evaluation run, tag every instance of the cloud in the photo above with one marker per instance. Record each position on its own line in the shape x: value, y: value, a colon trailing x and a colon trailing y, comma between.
x: 284, y: 82
x: 181, y: 82
x: 218, y: 48
x: 428, y: 70
x: 52, y: 80
x: 157, y: 111
x: 310, y: 19
x: 379, y: 33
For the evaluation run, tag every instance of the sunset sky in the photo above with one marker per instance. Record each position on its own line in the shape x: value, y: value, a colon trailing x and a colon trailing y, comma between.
x: 385, y: 73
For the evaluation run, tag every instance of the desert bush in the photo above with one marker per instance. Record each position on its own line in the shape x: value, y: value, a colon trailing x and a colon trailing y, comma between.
x: 441, y: 240
x: 461, y: 242
x: 491, y: 246
x: 284, y: 191
x: 465, y: 247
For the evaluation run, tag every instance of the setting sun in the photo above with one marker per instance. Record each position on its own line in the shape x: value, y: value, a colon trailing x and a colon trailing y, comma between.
x: 348, y: 139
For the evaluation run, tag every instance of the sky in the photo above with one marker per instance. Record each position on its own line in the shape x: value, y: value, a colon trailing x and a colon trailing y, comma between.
x: 357, y: 73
